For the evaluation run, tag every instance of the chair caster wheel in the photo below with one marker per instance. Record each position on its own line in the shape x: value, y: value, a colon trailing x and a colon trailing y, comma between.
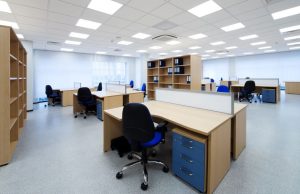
x: 165, y: 169
x: 130, y: 157
x: 75, y: 116
x: 153, y: 153
x: 144, y: 187
x: 119, y: 175
x: 84, y: 117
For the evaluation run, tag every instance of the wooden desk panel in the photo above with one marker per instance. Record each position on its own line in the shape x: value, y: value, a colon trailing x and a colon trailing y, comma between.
x: 292, y: 87
x: 67, y: 96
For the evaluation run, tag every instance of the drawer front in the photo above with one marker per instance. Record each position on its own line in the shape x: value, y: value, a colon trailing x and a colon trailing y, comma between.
x: 186, y: 141
x: 99, y: 110
x: 197, y: 166
x: 191, y: 177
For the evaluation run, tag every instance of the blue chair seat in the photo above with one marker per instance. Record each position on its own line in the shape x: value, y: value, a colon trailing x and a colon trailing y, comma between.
x: 156, y: 140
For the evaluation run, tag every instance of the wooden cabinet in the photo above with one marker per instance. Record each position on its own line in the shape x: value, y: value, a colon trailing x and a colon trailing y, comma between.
x: 13, y: 76
x: 183, y: 72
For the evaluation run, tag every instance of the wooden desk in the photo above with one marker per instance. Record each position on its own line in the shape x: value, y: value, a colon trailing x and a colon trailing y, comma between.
x: 214, y: 126
x: 228, y: 83
x: 209, y: 87
x: 67, y: 96
x: 292, y: 87
x: 110, y: 99
x: 258, y: 88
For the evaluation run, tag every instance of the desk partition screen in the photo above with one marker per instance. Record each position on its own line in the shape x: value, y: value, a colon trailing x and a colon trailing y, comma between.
x: 116, y: 88
x: 261, y: 81
x: 219, y: 102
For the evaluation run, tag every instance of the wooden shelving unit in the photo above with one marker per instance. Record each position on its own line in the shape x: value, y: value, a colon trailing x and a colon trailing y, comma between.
x: 13, y: 90
x: 191, y: 67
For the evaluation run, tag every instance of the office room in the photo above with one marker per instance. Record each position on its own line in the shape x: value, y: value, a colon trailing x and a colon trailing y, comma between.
x: 140, y: 96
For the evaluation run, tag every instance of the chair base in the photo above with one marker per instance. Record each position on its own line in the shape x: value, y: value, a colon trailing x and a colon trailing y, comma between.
x: 143, y: 162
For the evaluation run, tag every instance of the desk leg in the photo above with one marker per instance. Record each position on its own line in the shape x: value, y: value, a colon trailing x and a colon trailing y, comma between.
x: 238, y: 133
x: 112, y: 128
x: 218, y: 155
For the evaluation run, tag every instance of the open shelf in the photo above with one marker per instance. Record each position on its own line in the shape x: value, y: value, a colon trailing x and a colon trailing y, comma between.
x: 13, y: 121
x: 13, y: 99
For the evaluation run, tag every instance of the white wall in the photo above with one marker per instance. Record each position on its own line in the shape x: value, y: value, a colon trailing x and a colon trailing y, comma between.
x: 62, y: 69
x: 29, y: 49
x: 283, y: 65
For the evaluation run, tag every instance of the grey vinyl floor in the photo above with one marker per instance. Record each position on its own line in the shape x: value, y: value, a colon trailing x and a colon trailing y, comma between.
x: 60, y: 154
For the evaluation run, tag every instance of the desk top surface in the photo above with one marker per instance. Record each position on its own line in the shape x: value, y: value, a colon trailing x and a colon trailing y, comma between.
x: 103, y: 94
x: 242, y: 85
x: 197, y: 120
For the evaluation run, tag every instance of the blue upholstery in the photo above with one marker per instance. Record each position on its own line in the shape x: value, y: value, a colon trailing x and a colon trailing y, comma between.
x: 212, y: 80
x: 144, y: 87
x: 131, y: 83
x: 223, y: 88
x: 156, y: 140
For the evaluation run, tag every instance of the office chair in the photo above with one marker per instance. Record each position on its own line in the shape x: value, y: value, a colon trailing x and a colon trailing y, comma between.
x: 144, y: 89
x: 212, y: 80
x: 247, y: 91
x: 223, y: 88
x: 87, y: 100
x: 99, y: 88
x: 54, y: 95
x: 139, y: 130
x: 131, y: 83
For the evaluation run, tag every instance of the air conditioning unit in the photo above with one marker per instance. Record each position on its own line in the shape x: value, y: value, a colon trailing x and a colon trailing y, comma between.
x: 165, y: 37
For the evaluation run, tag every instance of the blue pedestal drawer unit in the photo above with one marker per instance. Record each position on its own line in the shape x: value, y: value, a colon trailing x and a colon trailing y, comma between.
x: 268, y: 95
x: 99, y: 110
x: 189, y: 158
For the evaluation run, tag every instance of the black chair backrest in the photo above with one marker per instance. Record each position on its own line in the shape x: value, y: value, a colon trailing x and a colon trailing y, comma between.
x: 99, y: 87
x: 249, y: 86
x: 138, y: 126
x: 49, y: 90
x: 84, y: 95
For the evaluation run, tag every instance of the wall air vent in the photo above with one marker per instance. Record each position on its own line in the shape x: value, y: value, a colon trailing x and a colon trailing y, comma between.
x: 165, y: 37
x: 53, y: 43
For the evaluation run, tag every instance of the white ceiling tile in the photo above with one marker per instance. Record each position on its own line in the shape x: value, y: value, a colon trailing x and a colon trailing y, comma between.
x: 129, y: 13
x: 228, y: 3
x: 117, y: 22
x: 28, y: 11
x: 95, y: 16
x: 136, y: 27
x: 149, y: 20
x: 7, y: 16
x: 146, y: 5
x: 260, y: 12
x: 281, y: 5
x: 61, y: 7
x: 217, y: 17
x: 162, y: 13
x: 56, y: 17
x: 31, y: 21
x: 82, y: 3
x: 245, y: 6
x: 186, y: 4
x: 40, y: 4
x: 182, y: 18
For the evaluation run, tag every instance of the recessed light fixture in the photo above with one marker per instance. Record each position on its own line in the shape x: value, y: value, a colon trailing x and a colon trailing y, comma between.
x: 194, y: 47
x: 221, y: 53
x: 252, y: 36
x: 292, y: 37
x: 289, y: 29
x: 173, y: 42
x: 203, y: 58
x: 205, y: 55
x: 230, y: 55
x: 155, y: 47
x: 66, y: 49
x: 4, y: 7
x: 248, y: 53
x: 210, y: 51
x: 106, y: 6
x: 127, y: 55
x: 20, y: 36
x: 265, y: 47
x: 78, y: 35
x: 72, y: 42
x: 269, y: 51
x: 231, y: 47
x: 101, y: 52
x: 193, y: 53
x: 141, y: 35
x: 258, y: 43
x: 233, y: 27
x: 14, y: 25
x: 205, y: 8
x: 141, y: 51
x: 197, y: 36
x: 217, y: 43
x: 177, y: 51
x: 215, y: 57
x: 88, y: 24
x: 294, y: 48
x: 124, y: 42
x: 286, y: 13
x: 163, y: 54
x: 293, y: 43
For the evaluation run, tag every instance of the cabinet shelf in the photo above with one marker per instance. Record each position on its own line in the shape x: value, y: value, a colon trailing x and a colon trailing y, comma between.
x: 13, y: 57
x: 152, y: 82
x: 182, y: 74
x: 165, y: 83
x: 165, y: 67
x: 13, y: 78
x: 13, y: 121
x: 13, y: 99
x: 165, y: 75
x: 181, y: 84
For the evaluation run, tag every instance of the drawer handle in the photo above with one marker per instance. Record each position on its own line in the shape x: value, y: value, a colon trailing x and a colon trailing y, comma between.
x: 186, y: 158
x: 185, y: 171
x: 186, y: 146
